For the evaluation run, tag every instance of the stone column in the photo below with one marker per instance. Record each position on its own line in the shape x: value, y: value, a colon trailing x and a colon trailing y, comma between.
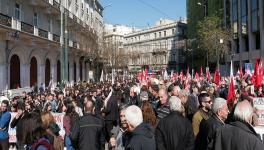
x: 71, y: 72
x: 83, y: 71
x: 41, y: 73
x: 4, y: 80
x: 25, y: 74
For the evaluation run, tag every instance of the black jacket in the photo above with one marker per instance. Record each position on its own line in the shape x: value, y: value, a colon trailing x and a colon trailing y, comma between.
x: 111, y: 111
x: 174, y: 132
x: 237, y: 136
x: 87, y: 132
x: 142, y: 138
x: 207, y: 131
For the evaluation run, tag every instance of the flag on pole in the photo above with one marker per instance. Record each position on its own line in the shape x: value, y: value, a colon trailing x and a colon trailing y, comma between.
x: 217, y: 77
x: 231, y: 91
x: 258, y: 75
x: 113, y: 78
x: 165, y: 75
x: 102, y: 76
x: 197, y: 76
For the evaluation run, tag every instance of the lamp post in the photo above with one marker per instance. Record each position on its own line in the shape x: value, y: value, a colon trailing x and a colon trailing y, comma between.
x: 205, y: 15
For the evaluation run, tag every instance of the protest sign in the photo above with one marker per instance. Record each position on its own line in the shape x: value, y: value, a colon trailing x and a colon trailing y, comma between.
x: 258, y: 104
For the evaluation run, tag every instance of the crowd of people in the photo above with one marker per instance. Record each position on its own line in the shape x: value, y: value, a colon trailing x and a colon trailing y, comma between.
x: 135, y: 115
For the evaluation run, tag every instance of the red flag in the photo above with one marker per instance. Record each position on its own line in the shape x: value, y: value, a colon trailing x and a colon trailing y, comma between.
x: 146, y: 73
x: 208, y: 74
x: 217, y: 77
x: 201, y: 71
x: 240, y: 72
x: 231, y: 90
x: 197, y: 76
x: 257, y: 77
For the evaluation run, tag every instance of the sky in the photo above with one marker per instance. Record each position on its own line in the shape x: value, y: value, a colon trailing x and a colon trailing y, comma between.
x: 141, y: 13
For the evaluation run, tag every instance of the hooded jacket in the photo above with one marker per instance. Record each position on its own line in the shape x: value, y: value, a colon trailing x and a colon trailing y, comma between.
x: 142, y: 138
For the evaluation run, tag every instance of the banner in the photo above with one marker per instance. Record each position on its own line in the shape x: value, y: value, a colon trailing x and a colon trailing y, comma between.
x: 58, y: 117
x: 258, y: 104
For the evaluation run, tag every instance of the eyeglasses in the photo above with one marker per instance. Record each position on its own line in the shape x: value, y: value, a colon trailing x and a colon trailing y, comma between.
x: 208, y: 101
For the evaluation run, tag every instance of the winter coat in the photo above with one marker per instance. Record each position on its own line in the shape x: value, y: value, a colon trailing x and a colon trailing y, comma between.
x: 142, y: 138
x: 208, y: 129
x: 237, y: 136
x: 174, y: 132
x: 88, y: 132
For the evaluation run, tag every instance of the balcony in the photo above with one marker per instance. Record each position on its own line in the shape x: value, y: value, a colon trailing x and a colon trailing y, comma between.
x: 36, y: 31
x: 74, y: 18
x: 27, y: 28
x: 16, y: 24
x: 5, y: 20
x: 43, y: 33
x: 56, y: 38
x: 56, y: 4
x: 50, y: 36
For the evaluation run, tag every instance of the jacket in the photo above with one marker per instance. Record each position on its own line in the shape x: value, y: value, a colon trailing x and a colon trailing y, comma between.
x: 237, y: 136
x: 4, y: 124
x: 142, y: 138
x: 174, y: 132
x: 111, y: 111
x: 208, y: 129
x: 87, y: 132
x: 197, y: 118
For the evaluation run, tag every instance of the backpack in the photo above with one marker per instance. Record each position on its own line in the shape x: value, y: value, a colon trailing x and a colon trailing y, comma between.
x: 42, y: 142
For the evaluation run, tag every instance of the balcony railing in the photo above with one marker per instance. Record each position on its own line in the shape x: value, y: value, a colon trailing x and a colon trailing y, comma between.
x: 56, y: 4
x: 5, y: 20
x: 74, y: 44
x: 27, y: 27
x: 74, y: 18
x: 43, y: 33
x: 56, y: 38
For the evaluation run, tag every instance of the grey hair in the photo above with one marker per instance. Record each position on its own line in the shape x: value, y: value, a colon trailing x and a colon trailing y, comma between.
x: 218, y: 104
x: 243, y: 111
x: 175, y: 104
x: 133, y: 115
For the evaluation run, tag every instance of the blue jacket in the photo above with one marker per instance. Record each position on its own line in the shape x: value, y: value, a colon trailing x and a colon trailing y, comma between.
x: 4, y: 124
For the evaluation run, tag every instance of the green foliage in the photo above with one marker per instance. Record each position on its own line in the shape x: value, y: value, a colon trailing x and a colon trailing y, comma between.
x: 209, y: 34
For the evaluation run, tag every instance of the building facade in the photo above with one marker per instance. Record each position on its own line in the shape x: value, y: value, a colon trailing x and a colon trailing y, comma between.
x: 157, y: 47
x: 47, y: 40
x: 114, y: 40
x: 247, y: 21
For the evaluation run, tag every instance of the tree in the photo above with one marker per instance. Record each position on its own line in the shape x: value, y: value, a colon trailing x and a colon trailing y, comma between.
x: 210, y: 32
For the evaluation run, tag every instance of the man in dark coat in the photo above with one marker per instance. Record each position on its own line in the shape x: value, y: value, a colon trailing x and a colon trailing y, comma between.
x: 88, y: 131
x: 209, y: 127
x: 111, y: 114
x: 142, y: 136
x: 174, y: 131
x: 239, y: 135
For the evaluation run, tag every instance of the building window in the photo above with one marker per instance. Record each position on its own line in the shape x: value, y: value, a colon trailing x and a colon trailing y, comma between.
x: 35, y: 19
x: 159, y: 34
x: 50, y: 25
x: 155, y: 35
x: 243, y: 9
x: 255, y: 15
x: 235, y: 18
x: 18, y: 11
x: 173, y: 31
x: 164, y: 33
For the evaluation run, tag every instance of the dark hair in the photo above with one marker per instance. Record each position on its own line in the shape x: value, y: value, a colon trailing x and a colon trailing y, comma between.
x: 21, y: 106
x: 155, y: 88
x: 148, y: 113
x: 89, y: 108
x: 6, y: 102
x: 30, y: 129
x: 70, y: 111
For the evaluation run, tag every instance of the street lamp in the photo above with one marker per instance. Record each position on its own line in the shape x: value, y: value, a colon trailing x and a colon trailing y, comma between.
x: 205, y: 8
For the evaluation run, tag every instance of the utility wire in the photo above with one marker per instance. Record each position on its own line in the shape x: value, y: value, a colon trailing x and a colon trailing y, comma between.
x: 155, y: 8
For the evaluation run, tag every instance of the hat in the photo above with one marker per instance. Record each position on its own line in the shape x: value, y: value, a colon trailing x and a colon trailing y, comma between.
x: 144, y: 96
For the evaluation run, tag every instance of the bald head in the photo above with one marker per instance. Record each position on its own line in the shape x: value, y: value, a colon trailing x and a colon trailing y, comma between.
x: 244, y: 111
x: 163, y: 95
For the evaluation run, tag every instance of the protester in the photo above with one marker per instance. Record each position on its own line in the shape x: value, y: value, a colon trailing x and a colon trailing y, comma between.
x: 203, y: 112
x: 142, y: 136
x: 120, y: 135
x: 174, y: 131
x: 208, y: 128
x: 163, y: 106
x: 88, y: 131
x: 68, y: 120
x: 239, y: 135
x: 4, y: 125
